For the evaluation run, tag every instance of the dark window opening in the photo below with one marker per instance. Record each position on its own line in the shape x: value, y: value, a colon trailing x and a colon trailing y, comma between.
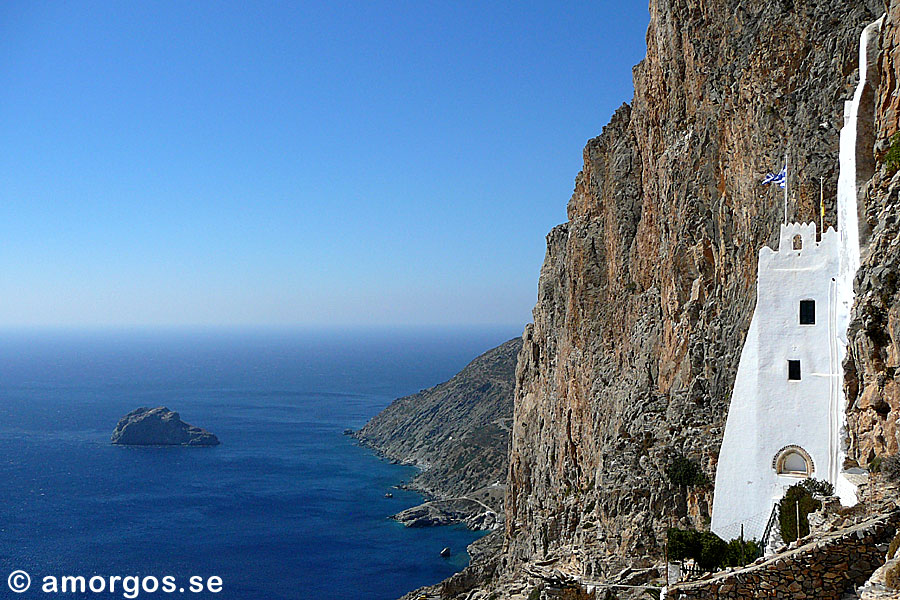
x: 794, y: 370
x: 807, y: 312
x: 798, y: 242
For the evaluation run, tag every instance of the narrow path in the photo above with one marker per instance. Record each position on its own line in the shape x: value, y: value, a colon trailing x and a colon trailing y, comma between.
x: 479, y: 502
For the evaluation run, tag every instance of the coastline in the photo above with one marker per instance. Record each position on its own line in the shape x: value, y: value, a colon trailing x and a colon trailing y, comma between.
x: 479, y: 510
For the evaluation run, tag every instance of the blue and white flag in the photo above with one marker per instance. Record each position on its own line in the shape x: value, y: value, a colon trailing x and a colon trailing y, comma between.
x: 780, y: 178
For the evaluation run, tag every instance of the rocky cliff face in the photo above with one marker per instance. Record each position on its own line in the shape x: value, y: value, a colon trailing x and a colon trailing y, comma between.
x: 457, y: 431
x: 871, y: 372
x: 646, y: 292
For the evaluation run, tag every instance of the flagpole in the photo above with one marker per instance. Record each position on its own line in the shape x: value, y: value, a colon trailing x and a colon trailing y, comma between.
x: 785, y: 187
x: 822, y: 204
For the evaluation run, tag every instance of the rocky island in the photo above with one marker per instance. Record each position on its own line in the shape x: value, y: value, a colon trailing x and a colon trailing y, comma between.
x: 159, y: 427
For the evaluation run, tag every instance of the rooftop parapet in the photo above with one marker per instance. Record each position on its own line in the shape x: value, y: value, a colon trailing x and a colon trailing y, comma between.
x: 799, y: 249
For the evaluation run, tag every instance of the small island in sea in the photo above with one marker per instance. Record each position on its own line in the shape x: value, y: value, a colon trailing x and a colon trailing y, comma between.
x: 159, y: 427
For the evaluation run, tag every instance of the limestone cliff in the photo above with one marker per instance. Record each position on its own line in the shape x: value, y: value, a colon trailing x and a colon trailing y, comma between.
x: 646, y: 292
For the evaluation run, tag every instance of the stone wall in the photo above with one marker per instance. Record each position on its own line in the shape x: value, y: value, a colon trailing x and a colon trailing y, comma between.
x: 823, y: 569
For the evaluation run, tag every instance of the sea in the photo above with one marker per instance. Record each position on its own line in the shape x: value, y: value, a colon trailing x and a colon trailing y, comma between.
x: 287, y: 507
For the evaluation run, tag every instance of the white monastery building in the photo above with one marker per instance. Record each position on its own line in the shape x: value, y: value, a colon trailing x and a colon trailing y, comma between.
x: 787, y: 419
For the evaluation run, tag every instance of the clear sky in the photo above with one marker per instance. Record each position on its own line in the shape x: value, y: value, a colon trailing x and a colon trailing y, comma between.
x: 295, y: 163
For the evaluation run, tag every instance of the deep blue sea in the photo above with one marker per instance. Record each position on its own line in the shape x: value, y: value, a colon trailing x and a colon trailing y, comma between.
x: 286, y: 508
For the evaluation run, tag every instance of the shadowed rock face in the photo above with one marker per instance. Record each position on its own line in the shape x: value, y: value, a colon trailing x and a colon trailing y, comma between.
x: 159, y: 427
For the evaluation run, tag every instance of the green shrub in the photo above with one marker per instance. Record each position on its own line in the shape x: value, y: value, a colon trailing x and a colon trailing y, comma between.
x: 817, y: 487
x: 535, y: 594
x: 740, y: 553
x: 796, y: 497
x: 892, y: 549
x: 892, y: 576
x: 685, y: 472
x: 890, y: 467
x: 892, y: 157
x: 712, y: 551
x: 681, y: 543
x: 705, y: 547
x: 874, y: 465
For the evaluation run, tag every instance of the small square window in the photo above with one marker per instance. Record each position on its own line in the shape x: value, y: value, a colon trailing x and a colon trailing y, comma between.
x: 807, y: 312
x: 794, y: 370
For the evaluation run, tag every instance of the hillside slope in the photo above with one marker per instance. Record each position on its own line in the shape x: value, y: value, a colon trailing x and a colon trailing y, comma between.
x: 457, y: 431
x: 646, y: 292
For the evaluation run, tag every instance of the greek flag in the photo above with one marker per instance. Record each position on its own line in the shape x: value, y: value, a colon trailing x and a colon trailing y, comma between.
x: 780, y: 178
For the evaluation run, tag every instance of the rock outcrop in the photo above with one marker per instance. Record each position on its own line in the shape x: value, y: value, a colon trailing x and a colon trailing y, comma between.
x: 457, y: 432
x: 159, y: 427
x: 471, y: 511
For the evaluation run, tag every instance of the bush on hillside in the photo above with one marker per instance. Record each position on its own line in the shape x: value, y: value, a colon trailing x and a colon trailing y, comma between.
x: 874, y: 465
x: 705, y: 547
x: 892, y: 549
x: 685, y: 472
x: 817, y: 487
x: 892, y: 576
x: 711, y: 552
x: 740, y: 552
x: 892, y: 156
x: 796, y: 499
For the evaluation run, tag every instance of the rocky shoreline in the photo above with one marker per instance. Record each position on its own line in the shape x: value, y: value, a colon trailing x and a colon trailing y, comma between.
x: 476, y: 511
x: 457, y: 435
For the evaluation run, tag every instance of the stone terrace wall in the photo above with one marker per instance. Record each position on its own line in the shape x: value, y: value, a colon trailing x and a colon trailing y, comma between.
x: 820, y: 570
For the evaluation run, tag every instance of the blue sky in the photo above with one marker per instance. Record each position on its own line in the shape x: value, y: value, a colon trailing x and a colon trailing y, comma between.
x: 326, y: 164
